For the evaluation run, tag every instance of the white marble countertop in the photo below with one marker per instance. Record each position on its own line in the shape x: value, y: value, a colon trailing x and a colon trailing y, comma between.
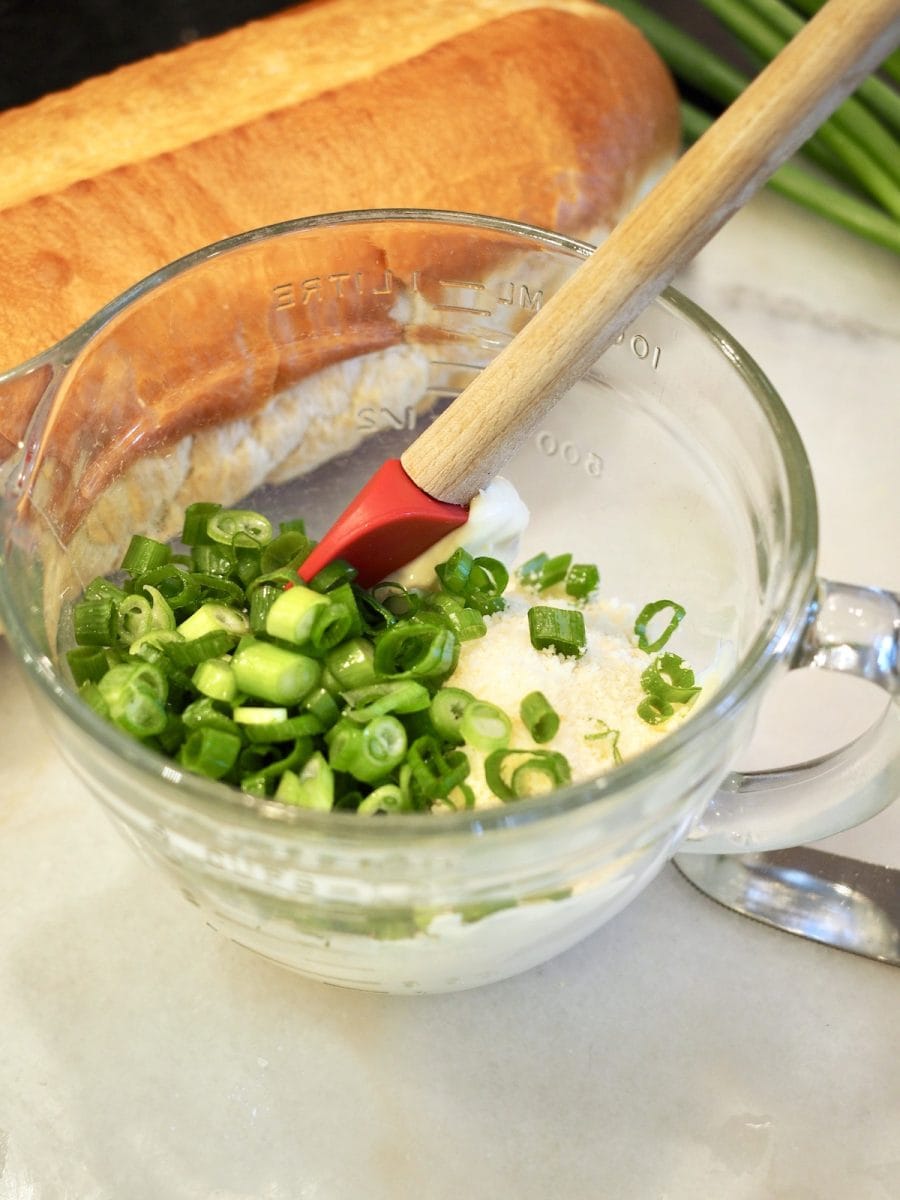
x: 681, y: 1052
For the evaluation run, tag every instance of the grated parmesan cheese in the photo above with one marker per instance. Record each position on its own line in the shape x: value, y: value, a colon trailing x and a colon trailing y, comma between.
x: 603, y: 686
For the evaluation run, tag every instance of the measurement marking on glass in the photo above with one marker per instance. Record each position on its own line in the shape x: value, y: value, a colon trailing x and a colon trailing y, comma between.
x: 463, y: 308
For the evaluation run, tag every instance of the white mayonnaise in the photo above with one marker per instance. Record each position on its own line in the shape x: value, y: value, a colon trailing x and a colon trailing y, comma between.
x: 497, y: 519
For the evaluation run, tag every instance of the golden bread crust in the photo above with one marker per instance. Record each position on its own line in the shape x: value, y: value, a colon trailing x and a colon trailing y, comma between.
x: 555, y: 114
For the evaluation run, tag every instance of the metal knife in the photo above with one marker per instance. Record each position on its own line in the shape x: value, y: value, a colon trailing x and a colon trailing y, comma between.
x: 841, y: 902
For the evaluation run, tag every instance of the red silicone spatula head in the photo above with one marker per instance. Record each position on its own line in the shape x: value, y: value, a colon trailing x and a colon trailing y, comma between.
x: 389, y: 523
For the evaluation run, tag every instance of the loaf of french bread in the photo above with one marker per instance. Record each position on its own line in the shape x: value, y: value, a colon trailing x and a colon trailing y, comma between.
x: 554, y: 112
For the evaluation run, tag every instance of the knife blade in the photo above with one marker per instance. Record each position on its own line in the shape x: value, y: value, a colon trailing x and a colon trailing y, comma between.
x: 828, y: 898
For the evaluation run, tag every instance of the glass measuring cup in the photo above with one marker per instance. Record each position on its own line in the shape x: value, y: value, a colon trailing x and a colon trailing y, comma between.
x: 279, y: 369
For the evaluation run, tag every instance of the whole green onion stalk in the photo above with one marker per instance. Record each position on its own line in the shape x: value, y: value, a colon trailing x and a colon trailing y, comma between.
x: 849, y: 170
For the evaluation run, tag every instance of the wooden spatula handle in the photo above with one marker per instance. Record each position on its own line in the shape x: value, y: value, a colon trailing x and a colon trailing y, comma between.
x: 470, y: 442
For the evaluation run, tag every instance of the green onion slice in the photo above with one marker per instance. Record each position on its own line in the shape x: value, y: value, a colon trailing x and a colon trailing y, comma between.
x: 144, y: 553
x: 196, y: 519
x: 669, y: 678
x: 387, y: 798
x: 273, y: 673
x: 398, y: 696
x: 313, y: 787
x: 654, y: 710
x: 609, y: 736
x: 211, y: 752
x: 559, y: 629
x: 582, y: 580
x: 446, y: 712
x: 539, y: 717
x: 646, y: 615
x: 484, y: 726
x: 454, y: 573
x: 94, y: 622
x: 367, y: 752
x: 416, y: 650
x: 514, y: 774
x: 434, y: 773
x: 239, y: 527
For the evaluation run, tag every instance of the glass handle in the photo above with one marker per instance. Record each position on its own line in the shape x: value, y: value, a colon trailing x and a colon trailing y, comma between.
x: 851, y: 629
x: 855, y: 630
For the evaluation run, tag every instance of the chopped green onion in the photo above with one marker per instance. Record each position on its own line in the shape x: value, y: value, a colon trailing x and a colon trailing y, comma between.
x: 289, y: 549
x: 558, y: 629
x: 270, y: 672
x: 484, y: 602
x: 196, y: 519
x: 514, y: 774
x: 94, y: 622
x: 465, y: 622
x: 397, y: 696
x: 337, y: 572
x: 214, y: 559
x: 294, y: 525
x: 484, y: 726
x: 416, y: 650
x: 239, y: 527
x: 375, y: 616
x: 135, y: 696
x: 132, y: 618
x: 646, y: 615
x: 247, y: 567
x: 138, y: 614
x: 104, y: 589
x: 277, y: 728
x: 542, y: 572
x: 554, y: 571
x: 320, y: 704
x: 669, y: 678
x: 219, y: 589
x: 387, y: 798
x: 367, y: 752
x: 151, y: 646
x: 261, y: 769
x: 261, y: 601
x: 210, y: 752
x: 433, y: 773
x: 488, y: 576
x: 539, y: 717
x: 609, y: 736
x: 204, y: 712
x: 530, y: 572
x: 460, y: 797
x: 581, y: 580
x: 352, y: 664
x: 401, y: 602
x: 293, y: 614
x: 454, y: 573
x: 654, y: 710
x: 176, y: 585
x: 446, y: 711
x: 144, y: 554
x: 212, y: 617
x: 90, y: 693
x: 313, y: 787
x: 87, y: 664
x: 259, y: 714
x: 215, y: 678
x: 197, y: 650
x: 273, y: 686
